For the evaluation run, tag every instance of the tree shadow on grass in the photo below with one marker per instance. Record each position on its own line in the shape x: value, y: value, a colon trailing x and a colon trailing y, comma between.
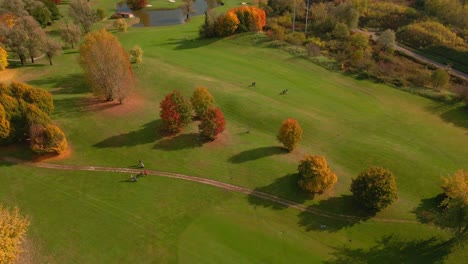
x: 75, y: 106
x: 285, y: 187
x: 456, y: 115
x: 191, y: 43
x: 343, y: 212
x: 148, y: 133
x: 392, y: 249
x: 429, y: 211
x: 179, y: 142
x: 258, y: 153
x: 70, y: 84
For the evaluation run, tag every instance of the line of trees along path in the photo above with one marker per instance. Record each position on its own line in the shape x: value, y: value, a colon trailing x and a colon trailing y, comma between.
x: 222, y: 185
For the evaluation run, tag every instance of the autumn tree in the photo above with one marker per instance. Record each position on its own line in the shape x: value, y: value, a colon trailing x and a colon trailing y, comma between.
x: 212, y: 123
x: 16, y: 39
x: 176, y: 112
x: 17, y: 7
x: 188, y: 9
x: 106, y: 65
x: 290, y: 134
x: 4, y: 124
x: 47, y: 139
x: 3, y: 59
x: 52, y: 48
x: 440, y: 79
x: 71, y: 34
x: 375, y: 188
x: 13, y: 226
x: 137, y: 54
x: 201, y: 100
x: 137, y: 4
x: 456, y: 202
x: 81, y: 12
x: 315, y: 175
x: 121, y: 25
x: 36, y: 37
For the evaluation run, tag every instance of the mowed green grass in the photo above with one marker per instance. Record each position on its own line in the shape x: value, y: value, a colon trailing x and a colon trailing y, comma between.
x: 353, y: 123
x: 97, y: 217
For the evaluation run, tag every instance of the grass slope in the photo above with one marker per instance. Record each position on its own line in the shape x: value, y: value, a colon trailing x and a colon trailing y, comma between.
x: 353, y: 123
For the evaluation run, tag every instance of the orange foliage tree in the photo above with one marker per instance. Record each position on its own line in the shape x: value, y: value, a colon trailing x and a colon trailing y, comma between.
x: 290, y: 134
x: 176, y: 112
x: 212, y: 123
x: 4, y: 124
x: 13, y: 226
x: 201, y: 100
x: 107, y: 66
x: 241, y: 19
x: 47, y: 139
x: 315, y: 175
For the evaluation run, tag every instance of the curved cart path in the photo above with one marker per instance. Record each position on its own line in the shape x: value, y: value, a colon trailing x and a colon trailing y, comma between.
x: 222, y: 185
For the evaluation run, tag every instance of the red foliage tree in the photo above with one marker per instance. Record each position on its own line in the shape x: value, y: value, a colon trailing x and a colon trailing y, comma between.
x: 137, y: 4
x: 212, y: 123
x: 176, y: 112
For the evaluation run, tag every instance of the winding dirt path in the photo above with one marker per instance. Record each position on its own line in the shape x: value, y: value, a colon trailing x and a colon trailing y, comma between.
x: 222, y: 185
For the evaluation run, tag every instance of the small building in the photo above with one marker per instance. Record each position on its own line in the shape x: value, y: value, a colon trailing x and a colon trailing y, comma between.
x: 123, y: 15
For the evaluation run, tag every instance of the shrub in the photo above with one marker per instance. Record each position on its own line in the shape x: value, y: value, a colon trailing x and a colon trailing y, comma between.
x: 439, y: 79
x: 375, y: 188
x: 341, y: 31
x: 201, y: 100
x: 121, y: 25
x: 315, y: 175
x: 100, y: 13
x: 175, y: 113
x: 295, y: 38
x: 429, y: 33
x: 34, y: 115
x: 47, y: 139
x: 290, y: 134
x: 227, y: 24
x: 137, y: 54
x: 212, y: 123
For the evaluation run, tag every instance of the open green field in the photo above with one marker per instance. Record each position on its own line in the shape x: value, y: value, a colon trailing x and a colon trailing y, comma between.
x: 93, y: 217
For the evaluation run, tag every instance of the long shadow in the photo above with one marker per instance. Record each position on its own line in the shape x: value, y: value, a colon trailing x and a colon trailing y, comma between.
x: 456, y: 115
x: 183, y: 141
x: 258, y: 153
x: 285, y: 187
x: 182, y: 44
x: 429, y: 211
x: 343, y: 205
x: 70, y: 84
x: 148, y: 133
x: 392, y: 249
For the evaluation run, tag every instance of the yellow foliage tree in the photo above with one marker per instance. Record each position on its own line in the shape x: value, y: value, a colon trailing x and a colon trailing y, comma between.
x: 201, y: 100
x: 106, y: 65
x: 3, y: 59
x: 456, y: 201
x: 315, y: 175
x: 13, y: 226
x: 47, y: 139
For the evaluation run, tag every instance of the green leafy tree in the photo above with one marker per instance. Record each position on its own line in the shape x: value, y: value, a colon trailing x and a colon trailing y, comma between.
x: 176, y: 112
x: 456, y: 202
x: 290, y: 134
x: 212, y: 123
x: 13, y: 226
x: 440, y: 79
x: 201, y: 100
x: 100, y: 13
x: 375, y: 188
x: 341, y: 31
x: 315, y: 175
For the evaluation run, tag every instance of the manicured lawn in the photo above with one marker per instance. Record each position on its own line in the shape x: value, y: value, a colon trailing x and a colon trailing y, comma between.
x: 94, y: 218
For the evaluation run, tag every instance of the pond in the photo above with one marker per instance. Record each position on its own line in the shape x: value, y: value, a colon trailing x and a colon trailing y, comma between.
x: 152, y: 18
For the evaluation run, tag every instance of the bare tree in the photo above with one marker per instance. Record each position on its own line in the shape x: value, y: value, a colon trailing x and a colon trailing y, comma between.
x: 71, y: 34
x: 188, y: 9
x: 81, y: 12
x: 36, y: 36
x: 15, y: 6
x: 52, y: 48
